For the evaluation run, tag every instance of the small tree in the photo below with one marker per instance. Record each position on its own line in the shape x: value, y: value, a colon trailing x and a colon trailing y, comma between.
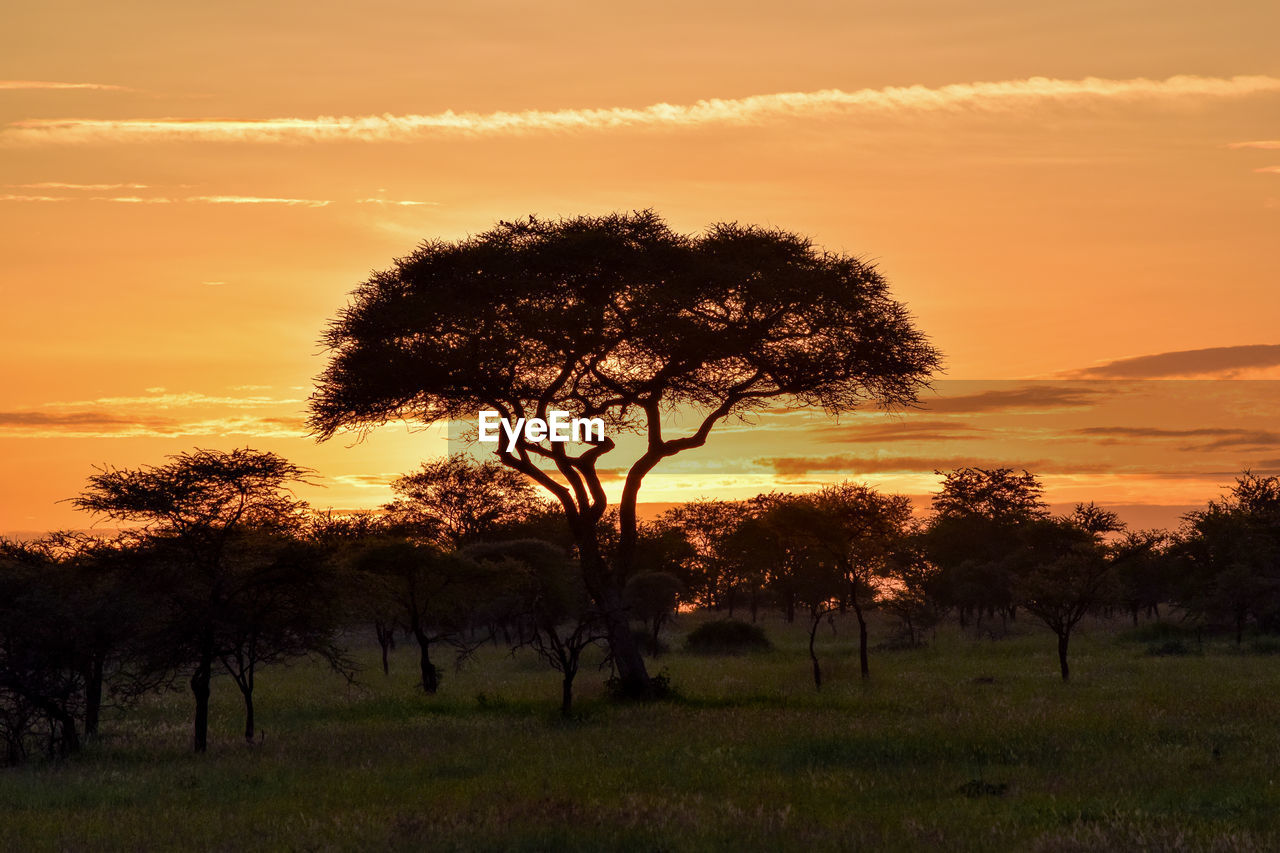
x: 432, y: 592
x: 1229, y: 557
x: 856, y: 529
x: 653, y: 597
x: 455, y: 501
x: 195, y: 508
x: 974, y: 537
x: 1069, y: 569
x: 551, y: 606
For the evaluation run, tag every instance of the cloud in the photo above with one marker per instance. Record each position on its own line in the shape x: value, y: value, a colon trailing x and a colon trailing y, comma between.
x: 1220, y: 438
x: 195, y: 199
x: 365, y: 481
x: 1273, y: 170
x: 799, y: 466
x: 59, y: 185
x: 50, y: 84
x: 1029, y: 397
x: 394, y: 203
x: 1222, y: 362
x: 96, y: 424
x: 996, y: 95
x: 1259, y: 143
x: 906, y: 430
x: 160, y: 413
x: 69, y: 419
x: 160, y: 399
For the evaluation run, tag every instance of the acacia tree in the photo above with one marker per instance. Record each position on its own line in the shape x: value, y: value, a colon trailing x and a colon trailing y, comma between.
x: 456, y: 501
x: 619, y: 318
x: 1228, y: 556
x: 856, y: 529
x: 974, y: 536
x: 196, y: 508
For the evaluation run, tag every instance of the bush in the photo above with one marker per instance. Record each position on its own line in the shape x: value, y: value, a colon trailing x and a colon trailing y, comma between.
x: 1171, y: 648
x: 660, y: 685
x: 1160, y: 632
x: 727, y: 637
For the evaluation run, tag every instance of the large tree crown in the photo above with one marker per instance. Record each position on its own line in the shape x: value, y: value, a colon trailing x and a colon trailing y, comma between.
x: 617, y: 317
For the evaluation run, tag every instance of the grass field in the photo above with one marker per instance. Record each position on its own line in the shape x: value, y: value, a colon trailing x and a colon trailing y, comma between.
x: 967, y: 744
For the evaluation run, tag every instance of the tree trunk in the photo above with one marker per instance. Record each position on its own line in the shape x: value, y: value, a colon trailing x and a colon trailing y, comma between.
x: 633, y: 678
x: 93, y: 694
x: 862, y: 639
x: 248, y: 713
x: 430, y: 675
x: 200, y: 690
x: 566, y: 693
x: 817, y: 670
x: 386, y: 638
x: 1063, y: 638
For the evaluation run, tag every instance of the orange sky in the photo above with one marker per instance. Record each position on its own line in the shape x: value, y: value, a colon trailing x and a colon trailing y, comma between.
x: 188, y: 193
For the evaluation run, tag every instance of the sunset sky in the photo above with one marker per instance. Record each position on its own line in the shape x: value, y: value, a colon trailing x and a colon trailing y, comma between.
x: 1079, y: 202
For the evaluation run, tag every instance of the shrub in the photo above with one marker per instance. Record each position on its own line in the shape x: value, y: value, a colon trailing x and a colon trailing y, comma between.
x: 1170, y: 648
x: 660, y: 684
x: 727, y: 637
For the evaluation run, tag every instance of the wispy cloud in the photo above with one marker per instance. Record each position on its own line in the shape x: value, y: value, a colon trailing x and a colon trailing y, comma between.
x: 162, y: 399
x: 799, y: 466
x: 51, y: 84
x: 1216, y: 438
x: 1274, y: 170
x: 1221, y: 362
x: 195, y: 199
x: 158, y: 414
x: 1257, y: 143
x: 997, y: 95
x: 59, y: 185
x: 904, y: 430
x: 395, y: 203
x: 1027, y: 398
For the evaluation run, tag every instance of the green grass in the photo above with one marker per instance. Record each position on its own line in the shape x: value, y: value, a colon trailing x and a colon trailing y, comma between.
x: 966, y: 744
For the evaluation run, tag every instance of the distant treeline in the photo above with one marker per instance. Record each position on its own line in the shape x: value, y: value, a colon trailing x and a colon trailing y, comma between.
x: 229, y: 573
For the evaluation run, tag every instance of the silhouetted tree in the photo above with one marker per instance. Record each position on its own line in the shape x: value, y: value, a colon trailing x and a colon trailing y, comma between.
x: 457, y: 500
x: 855, y: 529
x: 615, y: 317
x: 974, y: 537
x: 554, y: 612
x: 706, y: 570
x: 196, y: 507
x: 433, y: 593
x: 1229, y: 557
x: 652, y: 598
x: 1068, y: 566
x: 40, y: 674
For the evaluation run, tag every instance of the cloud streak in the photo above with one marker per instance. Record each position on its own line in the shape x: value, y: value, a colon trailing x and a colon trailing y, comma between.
x: 1028, y: 398
x: 195, y: 199
x: 799, y: 466
x: 51, y: 84
x: 1217, y: 438
x: 1257, y: 143
x: 59, y: 185
x: 755, y: 109
x: 1221, y: 362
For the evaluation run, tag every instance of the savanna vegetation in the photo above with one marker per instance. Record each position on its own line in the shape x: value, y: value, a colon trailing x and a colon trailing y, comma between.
x: 478, y: 666
x: 832, y: 671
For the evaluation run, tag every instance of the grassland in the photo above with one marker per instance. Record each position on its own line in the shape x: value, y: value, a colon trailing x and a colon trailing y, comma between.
x: 967, y: 744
